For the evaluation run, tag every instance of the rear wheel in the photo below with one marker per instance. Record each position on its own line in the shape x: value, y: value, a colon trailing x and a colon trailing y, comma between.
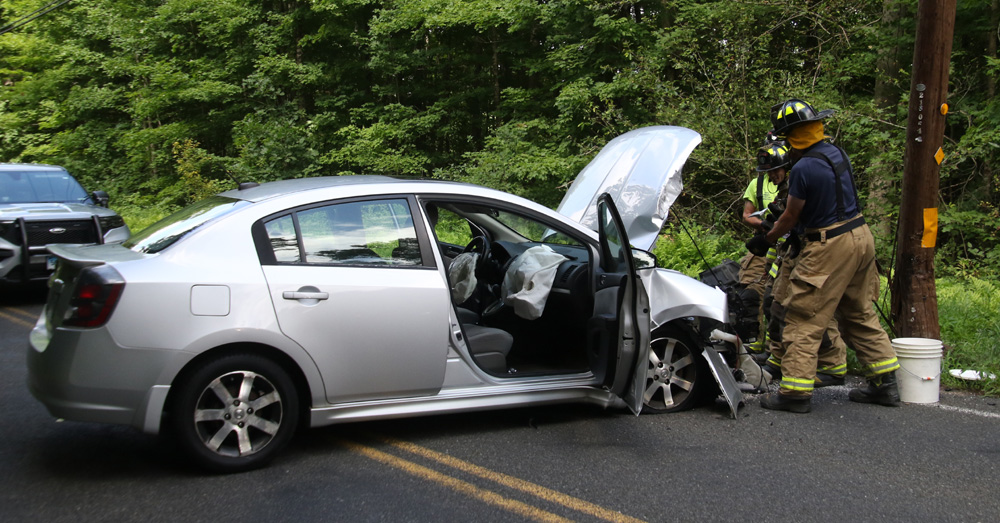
x: 235, y: 413
x: 677, y: 376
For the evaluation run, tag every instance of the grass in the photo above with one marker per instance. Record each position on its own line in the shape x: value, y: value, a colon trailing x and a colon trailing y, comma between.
x: 969, y: 316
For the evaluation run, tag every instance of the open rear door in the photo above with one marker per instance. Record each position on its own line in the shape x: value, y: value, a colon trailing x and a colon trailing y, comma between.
x: 619, y: 328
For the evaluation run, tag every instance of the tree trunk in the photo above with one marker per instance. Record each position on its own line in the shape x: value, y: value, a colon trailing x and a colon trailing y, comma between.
x: 887, y: 97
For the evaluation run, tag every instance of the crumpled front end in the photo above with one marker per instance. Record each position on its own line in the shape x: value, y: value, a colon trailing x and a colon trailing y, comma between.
x: 673, y: 295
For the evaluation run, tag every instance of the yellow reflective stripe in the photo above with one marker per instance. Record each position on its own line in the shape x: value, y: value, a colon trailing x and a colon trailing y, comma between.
x: 883, y: 367
x: 774, y: 361
x: 789, y: 110
x: 773, y: 271
x: 796, y: 384
x: 836, y: 370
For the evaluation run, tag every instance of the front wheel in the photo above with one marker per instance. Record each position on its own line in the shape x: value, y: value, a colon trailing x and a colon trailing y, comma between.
x: 235, y: 412
x: 677, y: 376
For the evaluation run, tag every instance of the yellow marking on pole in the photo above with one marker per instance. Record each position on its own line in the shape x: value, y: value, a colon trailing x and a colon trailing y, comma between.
x: 490, y: 497
x: 553, y: 496
x: 15, y: 319
x: 929, y: 238
x: 939, y: 155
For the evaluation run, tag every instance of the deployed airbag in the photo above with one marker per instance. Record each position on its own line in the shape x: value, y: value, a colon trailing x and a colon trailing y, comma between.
x: 528, y: 281
x: 462, y: 276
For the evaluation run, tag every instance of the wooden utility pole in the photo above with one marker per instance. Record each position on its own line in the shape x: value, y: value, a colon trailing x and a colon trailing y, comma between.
x: 914, y: 296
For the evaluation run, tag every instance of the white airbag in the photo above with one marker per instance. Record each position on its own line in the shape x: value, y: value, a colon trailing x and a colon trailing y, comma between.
x: 528, y: 281
x: 462, y: 276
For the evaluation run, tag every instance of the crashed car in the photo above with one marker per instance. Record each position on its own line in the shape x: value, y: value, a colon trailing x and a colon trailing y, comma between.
x: 44, y: 204
x: 328, y: 300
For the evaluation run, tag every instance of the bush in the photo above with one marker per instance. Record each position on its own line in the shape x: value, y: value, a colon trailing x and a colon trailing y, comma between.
x: 691, y: 248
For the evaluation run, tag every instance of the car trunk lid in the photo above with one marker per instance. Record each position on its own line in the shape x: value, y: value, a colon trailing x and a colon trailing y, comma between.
x: 81, y: 265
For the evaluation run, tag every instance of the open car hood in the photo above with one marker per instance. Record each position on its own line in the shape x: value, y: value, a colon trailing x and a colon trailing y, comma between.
x: 641, y: 170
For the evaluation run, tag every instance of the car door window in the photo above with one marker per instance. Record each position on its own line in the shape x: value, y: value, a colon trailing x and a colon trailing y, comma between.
x: 284, y: 242
x: 613, y: 258
x: 377, y: 232
x: 449, y: 227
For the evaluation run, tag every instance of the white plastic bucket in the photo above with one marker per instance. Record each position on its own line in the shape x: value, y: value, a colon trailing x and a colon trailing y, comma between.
x: 919, y: 377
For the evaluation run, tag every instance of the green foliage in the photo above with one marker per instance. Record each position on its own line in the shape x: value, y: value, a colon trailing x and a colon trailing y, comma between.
x: 691, y: 248
x: 145, y: 208
x: 969, y: 310
x: 968, y: 242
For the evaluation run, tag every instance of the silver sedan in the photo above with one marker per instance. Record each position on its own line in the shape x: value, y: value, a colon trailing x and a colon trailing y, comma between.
x: 327, y: 300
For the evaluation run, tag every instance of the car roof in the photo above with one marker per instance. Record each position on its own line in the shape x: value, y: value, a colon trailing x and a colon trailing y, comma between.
x: 22, y: 167
x: 269, y: 190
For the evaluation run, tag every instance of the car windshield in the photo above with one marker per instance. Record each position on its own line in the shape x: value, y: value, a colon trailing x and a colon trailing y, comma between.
x: 55, y: 186
x: 167, y: 231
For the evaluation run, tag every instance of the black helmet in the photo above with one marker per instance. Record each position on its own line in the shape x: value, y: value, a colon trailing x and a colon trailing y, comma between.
x: 772, y: 156
x: 793, y: 112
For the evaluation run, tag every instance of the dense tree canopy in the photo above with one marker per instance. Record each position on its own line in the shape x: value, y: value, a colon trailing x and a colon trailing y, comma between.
x: 161, y: 102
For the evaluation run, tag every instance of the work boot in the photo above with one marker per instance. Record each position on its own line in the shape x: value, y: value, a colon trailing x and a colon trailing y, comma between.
x: 779, y: 401
x: 827, y: 380
x: 881, y: 389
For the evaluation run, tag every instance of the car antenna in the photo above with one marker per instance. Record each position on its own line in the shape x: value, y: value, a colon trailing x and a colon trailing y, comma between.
x: 241, y: 186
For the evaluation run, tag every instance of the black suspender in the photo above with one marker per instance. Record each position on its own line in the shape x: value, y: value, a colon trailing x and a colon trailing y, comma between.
x: 760, y: 191
x: 843, y: 168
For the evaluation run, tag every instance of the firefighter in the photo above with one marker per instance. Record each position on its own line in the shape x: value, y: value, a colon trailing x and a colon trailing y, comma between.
x: 832, y: 357
x: 834, y: 272
x: 772, y: 164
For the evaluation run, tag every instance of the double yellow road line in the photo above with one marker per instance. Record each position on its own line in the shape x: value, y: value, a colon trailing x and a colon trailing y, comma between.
x: 19, y: 316
x: 488, y: 496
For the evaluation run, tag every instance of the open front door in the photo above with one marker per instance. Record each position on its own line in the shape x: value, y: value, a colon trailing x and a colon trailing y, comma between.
x: 619, y: 328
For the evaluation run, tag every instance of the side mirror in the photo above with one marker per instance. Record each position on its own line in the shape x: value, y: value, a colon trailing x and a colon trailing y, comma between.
x: 100, y: 198
x: 643, y: 259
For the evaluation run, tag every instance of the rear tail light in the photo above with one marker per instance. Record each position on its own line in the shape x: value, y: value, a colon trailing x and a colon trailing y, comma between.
x: 94, y: 298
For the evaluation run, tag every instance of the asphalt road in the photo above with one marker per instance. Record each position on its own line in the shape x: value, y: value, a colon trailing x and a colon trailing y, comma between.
x: 844, y: 461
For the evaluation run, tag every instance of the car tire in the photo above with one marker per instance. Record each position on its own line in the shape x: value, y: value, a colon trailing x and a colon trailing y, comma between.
x: 677, y: 377
x: 235, y: 412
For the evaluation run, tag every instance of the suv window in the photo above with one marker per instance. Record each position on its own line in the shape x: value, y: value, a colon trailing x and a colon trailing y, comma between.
x: 376, y: 232
x: 40, y: 186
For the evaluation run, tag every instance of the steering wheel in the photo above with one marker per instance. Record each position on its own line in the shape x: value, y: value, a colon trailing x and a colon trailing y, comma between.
x: 481, y: 246
x: 494, y: 308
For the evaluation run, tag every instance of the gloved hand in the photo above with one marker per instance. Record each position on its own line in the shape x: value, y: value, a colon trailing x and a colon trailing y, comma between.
x: 767, y: 223
x: 775, y: 208
x: 794, y: 243
x: 758, y: 245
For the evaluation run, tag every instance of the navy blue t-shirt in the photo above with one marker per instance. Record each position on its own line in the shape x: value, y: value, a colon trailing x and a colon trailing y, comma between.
x: 812, y: 180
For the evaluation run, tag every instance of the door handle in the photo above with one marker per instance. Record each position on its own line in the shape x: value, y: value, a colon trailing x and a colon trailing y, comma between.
x: 305, y: 295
